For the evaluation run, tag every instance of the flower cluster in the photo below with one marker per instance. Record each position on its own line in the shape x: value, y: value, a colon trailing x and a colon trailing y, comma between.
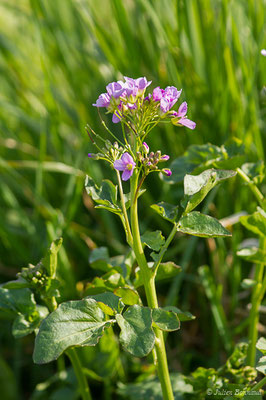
x: 139, y: 113
x: 126, y: 100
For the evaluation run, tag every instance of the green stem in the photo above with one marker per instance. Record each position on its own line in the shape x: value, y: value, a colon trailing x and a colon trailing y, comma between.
x: 149, y: 285
x: 82, y: 380
x: 163, y: 250
x: 255, y: 190
x: 257, y: 296
x: 259, y: 385
x: 127, y: 226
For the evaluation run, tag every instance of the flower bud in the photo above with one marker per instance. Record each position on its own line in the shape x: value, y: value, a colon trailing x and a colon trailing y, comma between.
x: 93, y: 156
x: 167, y: 172
x: 108, y: 144
x: 145, y: 148
x: 157, y: 155
x: 165, y: 157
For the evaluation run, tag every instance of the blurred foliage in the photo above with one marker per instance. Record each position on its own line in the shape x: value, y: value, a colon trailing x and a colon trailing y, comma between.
x: 55, y: 59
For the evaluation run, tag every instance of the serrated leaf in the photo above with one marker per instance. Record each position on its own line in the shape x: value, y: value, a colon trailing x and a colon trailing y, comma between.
x: 154, y: 240
x: 196, y: 187
x: 165, y: 320
x: 252, y: 254
x: 197, y: 224
x: 261, y: 345
x: 109, y: 303
x: 74, y: 323
x: 105, y: 196
x: 137, y: 336
x: 261, y: 366
x: 255, y: 222
x: 165, y: 270
x: 182, y: 315
x: 166, y: 211
x: 129, y: 296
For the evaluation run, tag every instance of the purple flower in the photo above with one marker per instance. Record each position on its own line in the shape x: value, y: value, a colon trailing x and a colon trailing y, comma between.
x: 182, y: 114
x: 103, y: 100
x: 142, y: 84
x: 167, y: 172
x: 170, y: 97
x: 115, y: 89
x: 125, y: 164
x: 263, y: 52
x: 157, y: 93
x: 137, y: 86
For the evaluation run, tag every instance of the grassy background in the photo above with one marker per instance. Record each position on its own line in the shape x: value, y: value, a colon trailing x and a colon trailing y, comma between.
x: 56, y: 57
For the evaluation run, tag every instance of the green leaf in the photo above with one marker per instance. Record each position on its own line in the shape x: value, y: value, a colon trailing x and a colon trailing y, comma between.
x: 252, y: 254
x: 17, y: 301
x: 199, y: 157
x: 129, y: 296
x: 127, y: 197
x: 150, y: 388
x: 50, y: 259
x: 201, y: 225
x: 137, y: 336
x: 261, y: 366
x: 182, y: 315
x: 255, y: 171
x: 255, y: 222
x: 166, y: 211
x: 99, y: 259
x: 105, y: 196
x: 109, y: 303
x: 24, y: 325
x: 196, y: 187
x: 165, y: 271
x: 165, y: 320
x: 154, y: 240
x: 74, y: 323
x: 107, y: 283
x: 261, y: 345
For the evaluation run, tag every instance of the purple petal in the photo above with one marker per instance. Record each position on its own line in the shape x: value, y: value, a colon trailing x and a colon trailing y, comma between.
x: 165, y: 157
x: 187, y: 122
x: 119, y: 165
x: 172, y: 92
x: 103, y: 100
x: 115, y: 89
x: 127, y: 159
x: 157, y: 93
x: 182, y: 109
x: 127, y: 174
x: 115, y: 119
x: 165, y: 104
x: 263, y: 52
x: 167, y: 172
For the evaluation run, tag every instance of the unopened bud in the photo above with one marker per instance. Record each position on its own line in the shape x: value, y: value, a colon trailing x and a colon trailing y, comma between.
x: 167, y: 172
x: 145, y: 148
x: 93, y: 156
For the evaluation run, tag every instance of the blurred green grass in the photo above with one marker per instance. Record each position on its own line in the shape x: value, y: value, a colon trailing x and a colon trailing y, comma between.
x: 56, y: 57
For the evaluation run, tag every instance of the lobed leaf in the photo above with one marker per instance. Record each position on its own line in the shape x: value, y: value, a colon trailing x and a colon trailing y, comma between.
x: 128, y: 296
x: 17, y: 301
x: 137, y: 336
x: 261, y: 366
x: 261, y: 345
x: 182, y: 315
x: 201, y: 225
x: 74, y: 323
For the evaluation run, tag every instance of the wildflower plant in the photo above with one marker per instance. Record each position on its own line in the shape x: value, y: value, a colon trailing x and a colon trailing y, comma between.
x: 114, y: 298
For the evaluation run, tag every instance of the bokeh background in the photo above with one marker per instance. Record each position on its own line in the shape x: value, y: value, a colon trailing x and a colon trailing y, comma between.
x: 56, y: 57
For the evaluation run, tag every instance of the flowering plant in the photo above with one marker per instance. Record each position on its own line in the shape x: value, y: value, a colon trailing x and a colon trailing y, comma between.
x: 115, y: 297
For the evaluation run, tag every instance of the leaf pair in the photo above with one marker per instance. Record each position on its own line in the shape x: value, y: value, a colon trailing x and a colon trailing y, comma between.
x: 82, y: 323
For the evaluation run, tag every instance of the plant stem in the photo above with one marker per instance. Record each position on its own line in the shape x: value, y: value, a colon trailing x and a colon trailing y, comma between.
x: 164, y: 249
x: 255, y: 190
x: 149, y: 285
x: 259, y: 385
x: 82, y: 380
x: 127, y: 226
